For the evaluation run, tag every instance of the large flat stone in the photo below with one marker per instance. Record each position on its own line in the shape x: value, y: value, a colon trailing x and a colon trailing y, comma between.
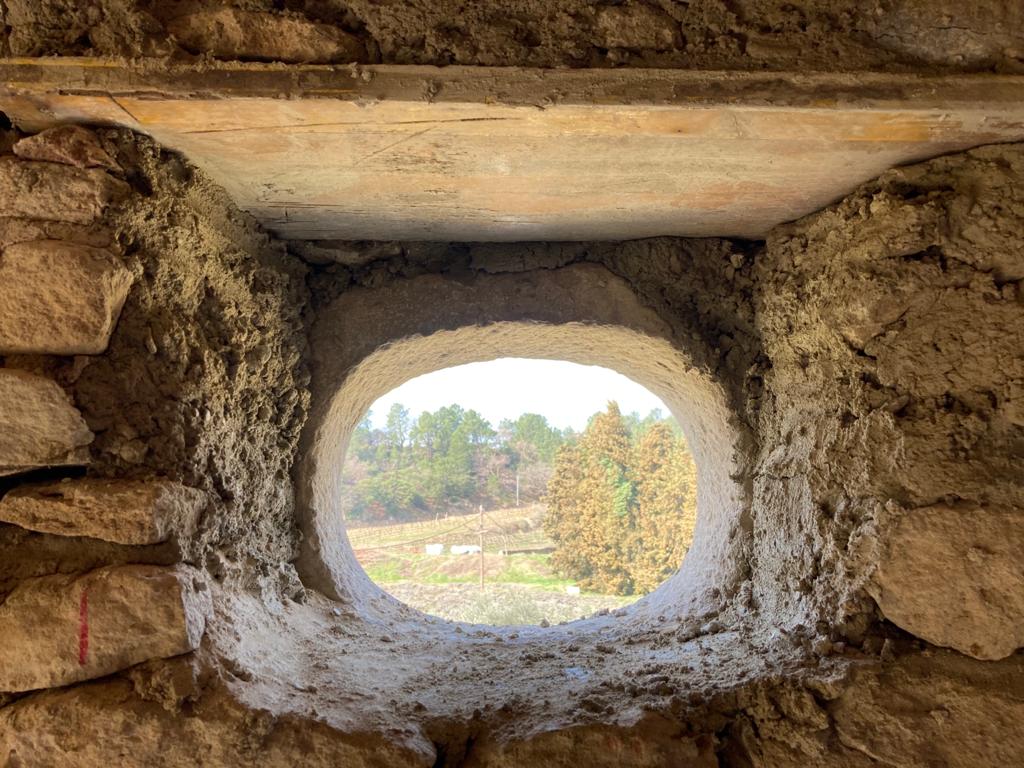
x: 67, y: 144
x: 54, y: 191
x: 649, y: 745
x: 39, y: 427
x: 934, y: 709
x: 931, y: 710
x: 956, y: 578
x: 61, y: 629
x: 26, y: 554
x: 118, y: 722
x: 120, y: 511
x: 23, y: 230
x: 59, y: 298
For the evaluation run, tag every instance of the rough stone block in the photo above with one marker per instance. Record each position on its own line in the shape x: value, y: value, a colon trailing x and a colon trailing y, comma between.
x: 59, y: 298
x: 638, y: 28
x: 61, y: 629
x: 67, y: 144
x: 121, y: 511
x: 34, y: 190
x: 23, y: 230
x: 232, y: 33
x: 956, y: 579
x: 26, y: 554
x: 114, y: 723
x: 924, y: 711
x: 39, y: 427
x: 599, y: 747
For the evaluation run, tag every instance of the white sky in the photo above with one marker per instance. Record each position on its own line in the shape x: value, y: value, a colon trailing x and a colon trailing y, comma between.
x: 566, y: 393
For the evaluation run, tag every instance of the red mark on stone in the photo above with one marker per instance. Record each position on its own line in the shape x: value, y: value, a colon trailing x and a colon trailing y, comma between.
x: 83, y: 628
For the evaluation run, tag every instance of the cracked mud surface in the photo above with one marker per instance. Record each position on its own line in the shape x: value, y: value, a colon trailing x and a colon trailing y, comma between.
x: 830, y: 35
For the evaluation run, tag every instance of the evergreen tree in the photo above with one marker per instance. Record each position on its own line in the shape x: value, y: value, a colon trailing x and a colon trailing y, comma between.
x: 665, y: 506
x: 531, y: 445
x: 590, y: 500
x: 360, y: 446
x: 532, y: 438
x: 397, y: 434
x: 621, y: 511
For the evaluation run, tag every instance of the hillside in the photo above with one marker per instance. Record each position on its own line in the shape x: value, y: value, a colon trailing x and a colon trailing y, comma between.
x: 520, y: 586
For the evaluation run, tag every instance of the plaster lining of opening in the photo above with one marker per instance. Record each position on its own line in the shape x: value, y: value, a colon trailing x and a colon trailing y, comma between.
x: 582, y: 315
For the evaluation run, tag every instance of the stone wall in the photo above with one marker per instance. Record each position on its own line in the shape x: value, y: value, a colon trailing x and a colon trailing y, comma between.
x: 200, y: 382
x: 892, y: 432
x: 153, y: 390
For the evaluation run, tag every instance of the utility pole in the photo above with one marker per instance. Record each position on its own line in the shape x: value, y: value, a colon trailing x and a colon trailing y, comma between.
x: 481, y: 535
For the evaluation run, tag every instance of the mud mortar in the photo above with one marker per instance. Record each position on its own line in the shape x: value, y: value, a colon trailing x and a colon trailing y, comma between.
x: 831, y: 35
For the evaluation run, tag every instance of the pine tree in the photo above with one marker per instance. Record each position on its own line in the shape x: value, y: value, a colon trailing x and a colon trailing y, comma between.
x: 397, y: 432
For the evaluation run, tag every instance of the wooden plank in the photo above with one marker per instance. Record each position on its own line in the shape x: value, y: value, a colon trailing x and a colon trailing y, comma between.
x: 496, y: 154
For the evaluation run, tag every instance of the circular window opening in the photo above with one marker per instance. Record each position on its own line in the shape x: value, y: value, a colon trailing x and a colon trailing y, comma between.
x: 368, y: 341
x: 519, y: 491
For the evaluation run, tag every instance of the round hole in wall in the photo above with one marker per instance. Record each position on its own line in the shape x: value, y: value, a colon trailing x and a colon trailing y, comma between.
x: 579, y: 314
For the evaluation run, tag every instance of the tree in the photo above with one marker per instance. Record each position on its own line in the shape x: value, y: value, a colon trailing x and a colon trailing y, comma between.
x: 533, y: 439
x: 589, y: 500
x: 531, y: 445
x: 433, y: 432
x: 397, y: 431
x: 665, y: 506
x: 361, y: 445
x: 619, y: 486
x: 621, y: 508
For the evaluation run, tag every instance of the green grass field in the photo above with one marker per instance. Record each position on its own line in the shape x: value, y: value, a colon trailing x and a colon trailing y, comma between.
x: 519, y: 588
x: 529, y: 570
